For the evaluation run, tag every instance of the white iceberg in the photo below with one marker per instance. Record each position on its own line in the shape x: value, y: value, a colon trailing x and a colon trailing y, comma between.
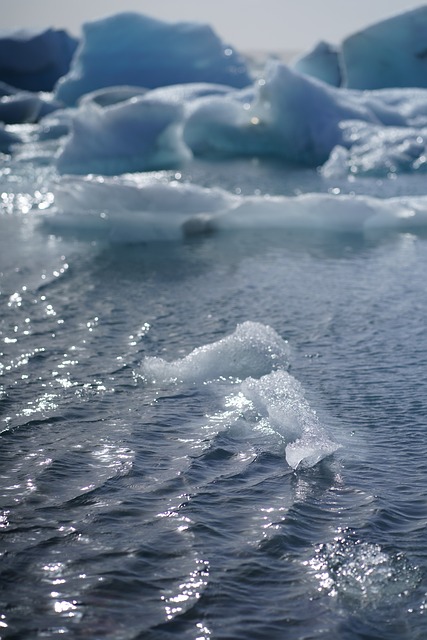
x: 291, y: 116
x: 300, y: 119
x: 127, y: 211
x: 139, y: 134
x: 145, y: 209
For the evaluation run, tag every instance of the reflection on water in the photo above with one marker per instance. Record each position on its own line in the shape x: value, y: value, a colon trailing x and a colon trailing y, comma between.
x: 131, y: 510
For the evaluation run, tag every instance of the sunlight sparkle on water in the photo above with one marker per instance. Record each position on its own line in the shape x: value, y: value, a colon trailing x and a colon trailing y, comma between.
x: 188, y: 590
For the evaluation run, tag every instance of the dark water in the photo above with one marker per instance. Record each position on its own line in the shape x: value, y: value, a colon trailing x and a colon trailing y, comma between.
x: 128, y: 511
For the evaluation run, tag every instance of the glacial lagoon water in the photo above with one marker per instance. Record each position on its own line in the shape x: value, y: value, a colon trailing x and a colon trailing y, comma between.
x: 277, y: 492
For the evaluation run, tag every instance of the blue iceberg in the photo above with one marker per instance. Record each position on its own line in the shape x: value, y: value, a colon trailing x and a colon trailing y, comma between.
x: 391, y: 53
x: 126, y: 129
x: 168, y: 93
x: 130, y: 48
x: 322, y: 62
x: 35, y: 60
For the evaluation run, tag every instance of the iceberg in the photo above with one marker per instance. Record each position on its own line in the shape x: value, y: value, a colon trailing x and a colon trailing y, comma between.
x: 285, y: 114
x: 298, y: 118
x: 325, y: 213
x: 139, y: 134
x: 35, y: 60
x: 118, y: 210
x: 126, y: 129
x: 291, y: 116
x: 390, y: 53
x: 322, y: 62
x: 133, y: 49
x: 146, y: 209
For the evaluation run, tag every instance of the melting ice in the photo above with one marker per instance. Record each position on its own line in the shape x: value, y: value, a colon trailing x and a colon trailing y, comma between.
x: 264, y: 396
x: 162, y: 135
x: 143, y: 208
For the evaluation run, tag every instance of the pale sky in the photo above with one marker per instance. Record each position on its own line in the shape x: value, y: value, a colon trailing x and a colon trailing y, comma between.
x: 247, y: 24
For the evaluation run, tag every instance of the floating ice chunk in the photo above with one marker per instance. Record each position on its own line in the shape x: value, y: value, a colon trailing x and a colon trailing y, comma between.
x: 291, y: 116
x: 180, y: 93
x: 402, y: 214
x: 139, y: 194
x: 144, y: 209
x: 279, y: 400
x: 310, y: 212
x: 322, y: 62
x: 149, y: 53
x: 140, y: 134
x: 375, y: 150
x: 269, y: 400
x: 120, y: 210
x: 35, y: 60
x: 278, y: 396
x: 253, y: 350
x: 391, y: 53
x: 219, y: 125
x: 311, y: 448
x: 182, y: 99
x: 410, y: 104
x: 322, y: 212
x: 295, y: 117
